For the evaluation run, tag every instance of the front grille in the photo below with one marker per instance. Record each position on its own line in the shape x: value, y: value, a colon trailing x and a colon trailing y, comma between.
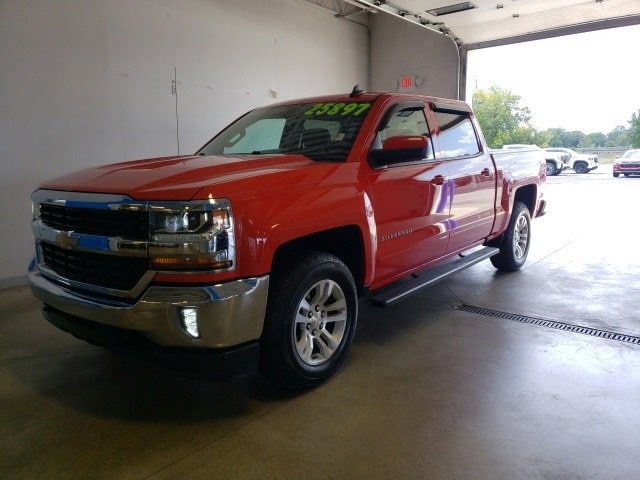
x: 109, y: 271
x: 131, y: 225
x: 630, y: 165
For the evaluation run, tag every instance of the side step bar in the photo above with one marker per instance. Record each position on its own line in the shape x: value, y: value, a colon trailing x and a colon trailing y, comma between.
x: 397, y: 291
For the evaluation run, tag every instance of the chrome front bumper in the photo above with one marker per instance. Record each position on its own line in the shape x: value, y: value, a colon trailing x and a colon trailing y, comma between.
x: 229, y: 314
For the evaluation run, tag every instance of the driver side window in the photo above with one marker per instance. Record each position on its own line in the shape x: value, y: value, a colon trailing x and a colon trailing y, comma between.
x: 407, y: 122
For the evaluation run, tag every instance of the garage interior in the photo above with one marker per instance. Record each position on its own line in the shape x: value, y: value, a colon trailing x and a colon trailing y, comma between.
x: 486, y: 375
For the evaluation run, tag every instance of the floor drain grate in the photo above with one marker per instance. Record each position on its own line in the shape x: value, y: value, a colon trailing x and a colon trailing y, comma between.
x: 542, y: 322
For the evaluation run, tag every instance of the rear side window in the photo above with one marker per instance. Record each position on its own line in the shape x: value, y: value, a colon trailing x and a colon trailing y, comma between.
x: 456, y: 135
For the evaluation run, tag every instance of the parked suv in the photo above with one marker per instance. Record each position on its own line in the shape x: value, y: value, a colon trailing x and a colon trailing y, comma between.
x: 579, y: 162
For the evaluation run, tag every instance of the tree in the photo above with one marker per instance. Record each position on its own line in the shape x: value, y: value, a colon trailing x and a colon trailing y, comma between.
x: 618, y: 137
x: 543, y: 139
x: 634, y: 129
x: 572, y: 139
x: 557, y: 137
x: 593, y: 140
x: 501, y: 116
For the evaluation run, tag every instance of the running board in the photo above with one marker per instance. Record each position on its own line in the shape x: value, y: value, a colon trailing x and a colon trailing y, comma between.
x: 397, y: 291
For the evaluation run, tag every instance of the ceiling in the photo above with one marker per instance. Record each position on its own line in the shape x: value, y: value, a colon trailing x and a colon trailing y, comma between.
x: 497, y: 22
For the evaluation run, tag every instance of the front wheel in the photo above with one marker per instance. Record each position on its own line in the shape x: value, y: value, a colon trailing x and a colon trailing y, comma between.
x: 311, y: 318
x: 581, y: 167
x: 616, y: 175
x: 515, y: 241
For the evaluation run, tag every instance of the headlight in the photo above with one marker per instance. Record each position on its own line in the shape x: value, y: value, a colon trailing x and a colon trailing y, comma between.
x: 192, y: 236
x: 35, y: 210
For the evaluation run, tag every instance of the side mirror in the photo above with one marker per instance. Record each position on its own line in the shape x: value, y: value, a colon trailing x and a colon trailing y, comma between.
x: 399, y: 149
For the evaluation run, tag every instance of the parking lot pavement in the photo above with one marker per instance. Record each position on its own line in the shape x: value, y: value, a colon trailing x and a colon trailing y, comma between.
x: 584, y: 263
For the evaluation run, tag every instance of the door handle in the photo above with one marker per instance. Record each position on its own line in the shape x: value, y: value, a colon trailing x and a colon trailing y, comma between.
x: 486, y: 172
x: 437, y: 180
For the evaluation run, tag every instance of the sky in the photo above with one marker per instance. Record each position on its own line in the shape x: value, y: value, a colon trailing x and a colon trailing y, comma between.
x: 588, y: 82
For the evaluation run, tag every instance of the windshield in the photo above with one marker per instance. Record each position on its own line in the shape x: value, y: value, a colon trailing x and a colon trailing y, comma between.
x: 631, y: 154
x: 321, y: 131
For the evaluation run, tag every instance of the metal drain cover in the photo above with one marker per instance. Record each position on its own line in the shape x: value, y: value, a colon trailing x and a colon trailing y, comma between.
x: 543, y: 322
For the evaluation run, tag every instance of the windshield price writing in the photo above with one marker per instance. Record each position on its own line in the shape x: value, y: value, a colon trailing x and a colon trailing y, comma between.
x: 335, y: 109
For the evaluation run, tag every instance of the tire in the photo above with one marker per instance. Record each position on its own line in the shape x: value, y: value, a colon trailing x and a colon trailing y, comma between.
x: 627, y: 174
x: 616, y: 175
x: 311, y: 318
x: 551, y: 169
x: 515, y: 241
x: 581, y: 167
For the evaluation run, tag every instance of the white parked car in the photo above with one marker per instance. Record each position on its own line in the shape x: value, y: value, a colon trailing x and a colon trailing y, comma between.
x: 579, y: 162
x: 555, y: 161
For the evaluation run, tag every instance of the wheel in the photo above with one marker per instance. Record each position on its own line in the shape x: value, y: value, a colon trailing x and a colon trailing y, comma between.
x: 311, y: 318
x: 580, y: 167
x: 515, y: 241
x: 551, y: 169
x: 627, y: 174
x: 616, y: 175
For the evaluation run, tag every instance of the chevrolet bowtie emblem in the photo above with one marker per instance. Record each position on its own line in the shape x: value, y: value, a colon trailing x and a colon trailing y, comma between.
x: 67, y: 240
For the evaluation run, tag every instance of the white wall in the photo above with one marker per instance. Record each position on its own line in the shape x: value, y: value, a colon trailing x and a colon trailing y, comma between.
x: 86, y: 82
x: 403, y: 49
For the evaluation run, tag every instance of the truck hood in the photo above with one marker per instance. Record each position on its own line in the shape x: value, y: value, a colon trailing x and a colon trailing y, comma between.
x: 180, y: 178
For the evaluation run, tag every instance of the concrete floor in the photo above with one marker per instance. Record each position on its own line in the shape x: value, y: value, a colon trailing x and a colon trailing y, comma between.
x: 429, y: 391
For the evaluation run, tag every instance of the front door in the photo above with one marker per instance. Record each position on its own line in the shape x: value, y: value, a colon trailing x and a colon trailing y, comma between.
x: 410, y: 201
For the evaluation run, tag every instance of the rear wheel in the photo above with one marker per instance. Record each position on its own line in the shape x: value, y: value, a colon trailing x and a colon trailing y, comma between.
x: 551, y: 169
x: 311, y: 319
x: 515, y: 241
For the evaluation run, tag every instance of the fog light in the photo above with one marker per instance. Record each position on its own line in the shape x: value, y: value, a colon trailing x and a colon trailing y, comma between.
x: 189, y: 321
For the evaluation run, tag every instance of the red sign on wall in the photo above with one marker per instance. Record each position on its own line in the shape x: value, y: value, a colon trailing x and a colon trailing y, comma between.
x: 406, y: 82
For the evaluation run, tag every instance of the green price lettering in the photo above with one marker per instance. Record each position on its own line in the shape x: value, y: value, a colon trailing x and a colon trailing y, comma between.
x: 335, y: 109
x: 313, y: 109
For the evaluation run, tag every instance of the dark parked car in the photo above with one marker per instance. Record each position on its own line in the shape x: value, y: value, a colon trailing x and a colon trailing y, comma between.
x: 627, y: 164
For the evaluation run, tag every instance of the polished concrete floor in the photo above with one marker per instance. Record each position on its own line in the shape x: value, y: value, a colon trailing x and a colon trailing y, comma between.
x: 429, y: 391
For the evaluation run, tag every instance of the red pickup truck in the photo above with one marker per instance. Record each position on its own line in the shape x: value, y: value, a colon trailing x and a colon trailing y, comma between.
x: 258, y: 247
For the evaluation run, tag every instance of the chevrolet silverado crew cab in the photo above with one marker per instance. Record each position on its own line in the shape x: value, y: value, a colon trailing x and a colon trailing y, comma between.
x: 257, y: 248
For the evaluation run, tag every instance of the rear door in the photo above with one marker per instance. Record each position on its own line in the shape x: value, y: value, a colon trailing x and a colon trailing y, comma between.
x: 472, y: 177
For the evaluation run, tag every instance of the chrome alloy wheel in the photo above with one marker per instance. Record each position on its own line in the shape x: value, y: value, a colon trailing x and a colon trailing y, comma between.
x: 521, y: 237
x: 320, y: 323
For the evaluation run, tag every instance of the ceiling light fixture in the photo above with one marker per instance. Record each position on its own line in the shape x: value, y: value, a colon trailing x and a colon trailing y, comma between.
x: 455, y: 8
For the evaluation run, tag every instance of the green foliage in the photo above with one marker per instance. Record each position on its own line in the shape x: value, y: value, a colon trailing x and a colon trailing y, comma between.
x: 543, y: 138
x: 593, y: 140
x: 501, y: 117
x: 634, y: 129
x: 618, y: 137
x: 504, y: 119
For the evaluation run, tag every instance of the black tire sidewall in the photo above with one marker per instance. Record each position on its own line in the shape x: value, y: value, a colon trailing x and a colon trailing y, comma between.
x: 280, y: 360
x: 506, y: 260
x: 581, y: 167
x: 520, y: 209
x: 551, y: 169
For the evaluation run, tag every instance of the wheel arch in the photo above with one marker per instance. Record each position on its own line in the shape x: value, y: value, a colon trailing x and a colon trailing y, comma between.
x: 527, y: 194
x: 344, y: 242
